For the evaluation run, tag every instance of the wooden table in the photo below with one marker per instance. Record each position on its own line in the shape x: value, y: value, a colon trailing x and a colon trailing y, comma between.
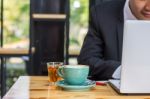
x: 36, y: 87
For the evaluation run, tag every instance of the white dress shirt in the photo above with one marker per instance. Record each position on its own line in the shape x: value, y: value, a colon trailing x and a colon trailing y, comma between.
x: 127, y: 16
x: 127, y: 12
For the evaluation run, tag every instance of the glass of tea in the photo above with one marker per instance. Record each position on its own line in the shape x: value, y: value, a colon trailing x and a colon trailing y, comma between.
x: 52, y: 72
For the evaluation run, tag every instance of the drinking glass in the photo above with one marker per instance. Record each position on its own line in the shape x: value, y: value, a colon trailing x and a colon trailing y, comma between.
x: 52, y: 72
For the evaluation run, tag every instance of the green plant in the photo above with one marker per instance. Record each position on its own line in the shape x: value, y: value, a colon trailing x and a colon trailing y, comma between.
x: 78, y: 21
x: 16, y: 20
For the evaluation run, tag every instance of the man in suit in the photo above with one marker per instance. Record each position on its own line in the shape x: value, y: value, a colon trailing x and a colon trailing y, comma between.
x: 102, y: 47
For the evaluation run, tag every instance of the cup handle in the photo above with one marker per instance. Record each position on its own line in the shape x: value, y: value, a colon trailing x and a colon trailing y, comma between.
x: 60, y: 71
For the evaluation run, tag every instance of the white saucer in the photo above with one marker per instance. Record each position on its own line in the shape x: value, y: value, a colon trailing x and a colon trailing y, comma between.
x: 84, y: 87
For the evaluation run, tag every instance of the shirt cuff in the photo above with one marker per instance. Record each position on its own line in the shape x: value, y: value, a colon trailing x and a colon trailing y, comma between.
x: 117, y: 73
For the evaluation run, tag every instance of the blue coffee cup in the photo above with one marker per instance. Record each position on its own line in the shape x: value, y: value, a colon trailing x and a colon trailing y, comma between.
x: 74, y: 74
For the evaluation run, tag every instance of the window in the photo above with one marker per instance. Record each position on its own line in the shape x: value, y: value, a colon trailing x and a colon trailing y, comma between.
x: 15, y: 35
x: 78, y: 27
x: 16, y: 23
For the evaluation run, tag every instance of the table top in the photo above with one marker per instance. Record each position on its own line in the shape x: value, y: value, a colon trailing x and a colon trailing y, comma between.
x: 37, y: 87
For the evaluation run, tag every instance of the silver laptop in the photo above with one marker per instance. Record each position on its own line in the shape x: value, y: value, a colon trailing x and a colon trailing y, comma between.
x: 135, y: 71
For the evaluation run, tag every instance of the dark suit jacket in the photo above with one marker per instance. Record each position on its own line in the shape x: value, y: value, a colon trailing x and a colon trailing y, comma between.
x: 102, y: 47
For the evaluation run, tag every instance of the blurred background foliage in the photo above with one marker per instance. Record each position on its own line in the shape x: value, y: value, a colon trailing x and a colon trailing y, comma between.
x: 79, y: 12
x: 78, y: 22
x: 16, y: 20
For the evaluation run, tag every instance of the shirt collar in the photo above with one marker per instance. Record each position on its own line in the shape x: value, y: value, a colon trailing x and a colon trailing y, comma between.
x: 127, y: 12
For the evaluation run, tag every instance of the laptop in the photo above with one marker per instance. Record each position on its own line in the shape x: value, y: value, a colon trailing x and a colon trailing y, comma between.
x: 135, y: 71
